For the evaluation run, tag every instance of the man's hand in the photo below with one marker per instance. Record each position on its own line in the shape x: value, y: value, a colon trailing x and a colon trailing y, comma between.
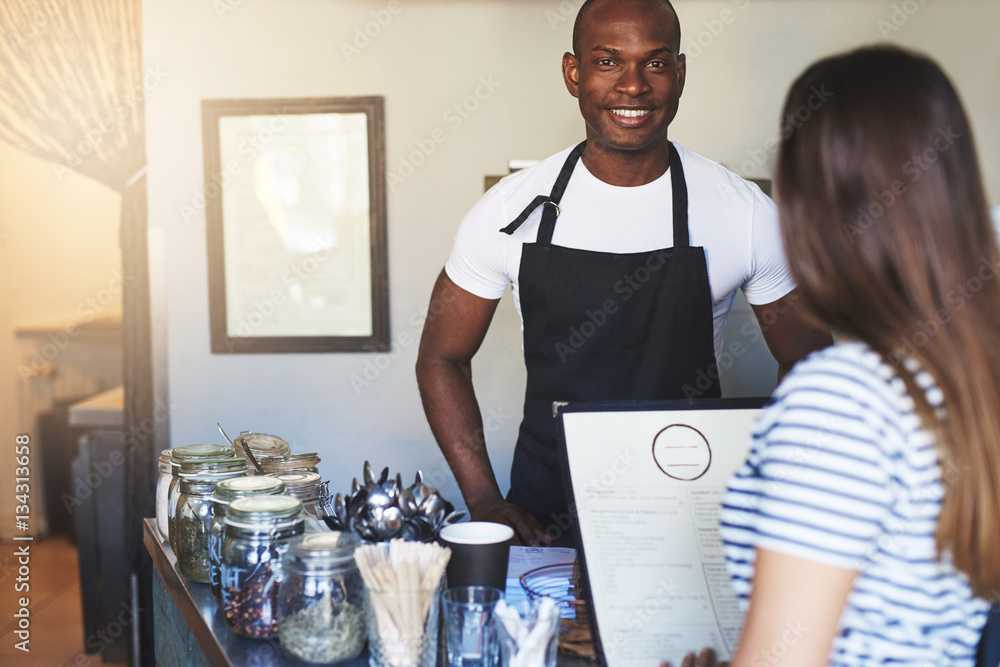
x: 527, y: 531
x: 706, y: 658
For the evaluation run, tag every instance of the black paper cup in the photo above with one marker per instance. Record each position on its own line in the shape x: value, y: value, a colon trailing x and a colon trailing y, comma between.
x: 479, y: 551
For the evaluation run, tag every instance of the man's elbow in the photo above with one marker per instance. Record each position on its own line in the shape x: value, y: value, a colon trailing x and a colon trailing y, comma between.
x: 423, y: 367
x: 809, y: 341
x: 431, y: 367
x: 782, y: 372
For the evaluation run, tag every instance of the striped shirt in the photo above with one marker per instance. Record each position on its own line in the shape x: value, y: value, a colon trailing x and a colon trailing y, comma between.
x: 841, y: 472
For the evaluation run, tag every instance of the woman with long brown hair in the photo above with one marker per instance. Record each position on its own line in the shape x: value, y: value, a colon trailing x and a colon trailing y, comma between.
x: 864, y: 528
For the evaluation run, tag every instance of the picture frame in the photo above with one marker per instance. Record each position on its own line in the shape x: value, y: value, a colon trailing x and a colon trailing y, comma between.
x: 296, y: 224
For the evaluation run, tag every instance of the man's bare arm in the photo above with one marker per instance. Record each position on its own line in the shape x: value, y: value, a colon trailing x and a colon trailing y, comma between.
x: 457, y: 322
x: 789, y: 335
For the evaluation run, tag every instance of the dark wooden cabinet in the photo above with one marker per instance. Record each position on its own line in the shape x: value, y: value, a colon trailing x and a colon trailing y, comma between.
x: 98, y: 498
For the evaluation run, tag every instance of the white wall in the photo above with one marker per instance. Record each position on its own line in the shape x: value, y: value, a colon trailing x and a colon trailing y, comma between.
x: 432, y: 55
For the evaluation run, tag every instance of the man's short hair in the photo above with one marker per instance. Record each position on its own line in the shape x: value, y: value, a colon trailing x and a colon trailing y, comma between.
x: 588, y: 5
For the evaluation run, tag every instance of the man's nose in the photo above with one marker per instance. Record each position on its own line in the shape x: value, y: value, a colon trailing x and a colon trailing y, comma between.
x: 633, y: 81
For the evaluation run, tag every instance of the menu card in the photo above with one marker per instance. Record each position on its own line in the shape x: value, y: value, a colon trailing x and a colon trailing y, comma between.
x: 647, y: 485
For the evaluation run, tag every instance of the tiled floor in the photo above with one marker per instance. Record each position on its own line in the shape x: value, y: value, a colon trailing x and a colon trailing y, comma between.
x: 56, y: 628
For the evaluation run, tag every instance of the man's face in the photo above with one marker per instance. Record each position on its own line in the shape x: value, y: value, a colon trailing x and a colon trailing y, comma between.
x: 628, y: 75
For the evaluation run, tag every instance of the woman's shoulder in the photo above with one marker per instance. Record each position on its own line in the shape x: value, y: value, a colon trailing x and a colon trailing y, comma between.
x: 854, y: 368
x: 846, y: 388
x: 853, y: 398
x: 851, y: 368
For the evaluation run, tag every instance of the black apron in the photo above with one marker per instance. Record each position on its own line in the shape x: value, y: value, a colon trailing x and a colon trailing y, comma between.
x: 604, y: 326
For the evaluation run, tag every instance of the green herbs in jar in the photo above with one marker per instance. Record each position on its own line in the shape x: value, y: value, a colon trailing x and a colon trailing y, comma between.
x: 323, y: 633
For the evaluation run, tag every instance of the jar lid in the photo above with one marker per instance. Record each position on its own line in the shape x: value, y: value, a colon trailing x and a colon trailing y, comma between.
x: 213, y: 468
x: 299, y: 479
x: 305, y: 486
x: 321, y: 551
x: 296, y: 457
x: 202, y: 452
x: 263, y: 444
x: 243, y: 487
x: 165, y: 461
x: 256, y: 510
x: 291, y: 462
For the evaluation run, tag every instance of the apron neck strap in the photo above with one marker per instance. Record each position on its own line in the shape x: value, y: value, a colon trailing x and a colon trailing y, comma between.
x: 528, y: 210
x: 680, y: 196
x: 551, y: 212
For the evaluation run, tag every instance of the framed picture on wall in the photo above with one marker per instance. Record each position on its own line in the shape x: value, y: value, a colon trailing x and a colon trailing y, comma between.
x: 295, y: 215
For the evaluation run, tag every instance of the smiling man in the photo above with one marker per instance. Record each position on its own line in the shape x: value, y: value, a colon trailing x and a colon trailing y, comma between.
x: 624, y: 254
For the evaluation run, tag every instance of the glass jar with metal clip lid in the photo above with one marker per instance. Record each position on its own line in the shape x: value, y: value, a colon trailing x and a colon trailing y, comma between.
x: 261, y: 445
x: 321, y: 598
x: 195, y: 510
x: 190, y: 453
x: 307, y: 487
x: 226, y: 492
x: 258, y: 531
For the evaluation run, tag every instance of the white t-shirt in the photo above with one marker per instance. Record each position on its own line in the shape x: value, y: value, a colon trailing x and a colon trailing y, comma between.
x: 730, y: 217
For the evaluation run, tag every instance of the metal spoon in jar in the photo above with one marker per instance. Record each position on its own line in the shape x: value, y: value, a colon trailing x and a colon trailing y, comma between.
x: 244, y: 445
x: 228, y: 439
x: 407, y: 502
x: 377, y: 497
x: 420, y: 490
x: 392, y: 487
x: 242, y: 442
x: 434, y: 510
x: 391, y: 523
x: 340, y: 509
x: 453, y: 517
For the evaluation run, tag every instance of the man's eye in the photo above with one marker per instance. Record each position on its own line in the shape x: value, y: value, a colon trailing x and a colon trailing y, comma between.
x: 657, y: 64
x: 605, y: 62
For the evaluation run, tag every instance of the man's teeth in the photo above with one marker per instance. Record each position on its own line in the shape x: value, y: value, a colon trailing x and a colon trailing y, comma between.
x: 630, y: 113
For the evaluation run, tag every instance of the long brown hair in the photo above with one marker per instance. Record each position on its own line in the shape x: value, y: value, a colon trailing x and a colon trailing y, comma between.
x: 888, y: 235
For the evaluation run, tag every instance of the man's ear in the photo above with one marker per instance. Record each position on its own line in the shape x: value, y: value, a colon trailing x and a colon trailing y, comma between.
x: 571, y: 73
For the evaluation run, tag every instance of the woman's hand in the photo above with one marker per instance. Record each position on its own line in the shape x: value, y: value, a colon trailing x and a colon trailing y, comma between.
x: 706, y: 658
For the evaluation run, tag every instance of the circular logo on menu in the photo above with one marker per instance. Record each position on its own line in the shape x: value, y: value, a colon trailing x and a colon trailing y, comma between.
x: 682, y: 452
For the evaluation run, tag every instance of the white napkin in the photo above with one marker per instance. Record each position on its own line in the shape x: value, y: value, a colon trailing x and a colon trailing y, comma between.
x: 532, y: 638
